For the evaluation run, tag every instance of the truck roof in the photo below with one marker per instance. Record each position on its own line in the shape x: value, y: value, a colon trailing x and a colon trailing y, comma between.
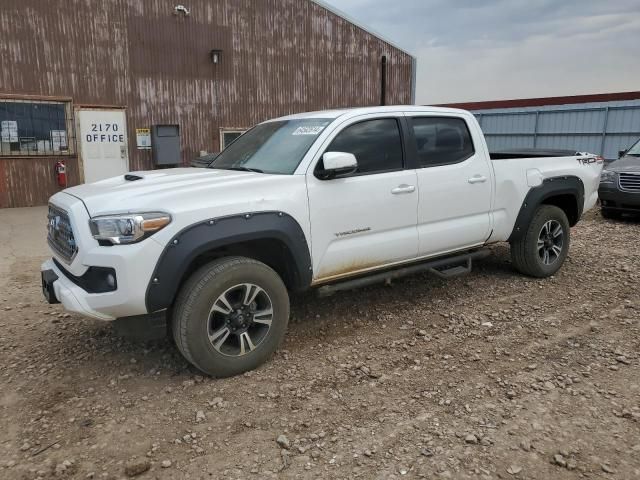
x: 368, y: 110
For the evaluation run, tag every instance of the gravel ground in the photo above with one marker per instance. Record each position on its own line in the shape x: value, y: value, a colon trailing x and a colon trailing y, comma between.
x: 492, y: 375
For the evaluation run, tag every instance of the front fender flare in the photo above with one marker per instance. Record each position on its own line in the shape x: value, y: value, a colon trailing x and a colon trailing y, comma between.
x: 201, y: 237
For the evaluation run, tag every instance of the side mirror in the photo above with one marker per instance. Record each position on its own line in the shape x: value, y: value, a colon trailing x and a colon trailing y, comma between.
x: 622, y: 153
x: 337, y: 164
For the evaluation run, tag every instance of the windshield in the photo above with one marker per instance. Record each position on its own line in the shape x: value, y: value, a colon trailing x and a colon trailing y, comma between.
x: 272, y: 147
x: 635, y: 150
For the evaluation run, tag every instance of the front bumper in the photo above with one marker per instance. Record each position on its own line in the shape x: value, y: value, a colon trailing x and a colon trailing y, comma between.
x: 611, y: 197
x: 133, y: 267
x: 57, y: 288
x: 79, y: 285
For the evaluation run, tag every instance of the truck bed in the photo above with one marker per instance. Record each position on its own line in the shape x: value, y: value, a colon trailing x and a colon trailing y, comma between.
x: 529, y: 170
x: 531, y: 153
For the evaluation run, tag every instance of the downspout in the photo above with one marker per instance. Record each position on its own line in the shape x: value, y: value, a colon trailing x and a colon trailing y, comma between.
x: 383, y: 81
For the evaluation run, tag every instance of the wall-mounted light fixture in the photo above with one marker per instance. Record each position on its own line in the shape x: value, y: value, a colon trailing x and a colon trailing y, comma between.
x: 181, y: 9
x: 216, y: 56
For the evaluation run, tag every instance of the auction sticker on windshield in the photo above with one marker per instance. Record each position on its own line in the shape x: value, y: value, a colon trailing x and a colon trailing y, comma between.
x: 308, y: 130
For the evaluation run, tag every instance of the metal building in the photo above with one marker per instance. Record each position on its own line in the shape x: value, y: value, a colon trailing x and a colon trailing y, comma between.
x: 84, y: 81
x: 603, y: 124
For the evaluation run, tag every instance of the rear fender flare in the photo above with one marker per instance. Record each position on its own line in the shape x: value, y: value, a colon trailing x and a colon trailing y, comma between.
x: 550, y: 187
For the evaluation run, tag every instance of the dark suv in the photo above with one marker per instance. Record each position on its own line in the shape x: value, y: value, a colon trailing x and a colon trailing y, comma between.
x: 619, y: 190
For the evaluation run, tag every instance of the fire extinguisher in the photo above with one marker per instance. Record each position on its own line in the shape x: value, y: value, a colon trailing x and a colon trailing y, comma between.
x: 61, y: 173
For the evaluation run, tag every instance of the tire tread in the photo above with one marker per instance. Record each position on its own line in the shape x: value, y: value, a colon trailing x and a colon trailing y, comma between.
x: 189, y: 293
x: 520, y: 249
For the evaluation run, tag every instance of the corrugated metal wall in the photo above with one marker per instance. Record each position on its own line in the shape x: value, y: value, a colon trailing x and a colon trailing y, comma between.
x: 279, y: 57
x: 602, y: 128
x: 31, y: 181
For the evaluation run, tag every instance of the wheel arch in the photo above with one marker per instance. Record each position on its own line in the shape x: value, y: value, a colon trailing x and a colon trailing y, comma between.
x: 273, y: 238
x: 566, y: 193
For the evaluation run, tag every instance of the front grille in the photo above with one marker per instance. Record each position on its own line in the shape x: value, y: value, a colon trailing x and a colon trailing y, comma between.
x: 60, y: 236
x: 630, y: 182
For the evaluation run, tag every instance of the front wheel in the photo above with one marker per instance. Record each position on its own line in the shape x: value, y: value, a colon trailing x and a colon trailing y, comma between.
x: 230, y: 316
x: 543, y: 248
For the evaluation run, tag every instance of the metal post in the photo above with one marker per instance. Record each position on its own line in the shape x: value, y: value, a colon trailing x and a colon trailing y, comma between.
x: 604, y: 131
x: 535, y: 130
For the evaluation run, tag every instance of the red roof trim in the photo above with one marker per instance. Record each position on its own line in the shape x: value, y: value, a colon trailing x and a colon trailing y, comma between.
x: 543, y: 101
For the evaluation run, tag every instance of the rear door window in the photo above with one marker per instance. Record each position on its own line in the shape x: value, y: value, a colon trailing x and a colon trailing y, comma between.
x: 441, y: 140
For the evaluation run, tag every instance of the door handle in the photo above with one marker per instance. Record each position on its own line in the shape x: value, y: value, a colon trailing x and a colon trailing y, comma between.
x: 477, y: 179
x: 404, y: 188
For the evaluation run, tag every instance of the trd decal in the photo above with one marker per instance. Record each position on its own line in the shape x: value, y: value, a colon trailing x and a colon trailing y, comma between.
x: 590, y: 160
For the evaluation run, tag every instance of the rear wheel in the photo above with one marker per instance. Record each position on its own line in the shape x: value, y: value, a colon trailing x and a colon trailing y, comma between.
x: 543, y: 248
x: 230, y: 316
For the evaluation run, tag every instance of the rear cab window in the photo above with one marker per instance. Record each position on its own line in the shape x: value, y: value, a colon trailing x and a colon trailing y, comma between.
x: 441, y: 140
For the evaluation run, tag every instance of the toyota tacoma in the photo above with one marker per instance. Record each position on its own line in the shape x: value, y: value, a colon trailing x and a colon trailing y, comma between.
x: 330, y: 200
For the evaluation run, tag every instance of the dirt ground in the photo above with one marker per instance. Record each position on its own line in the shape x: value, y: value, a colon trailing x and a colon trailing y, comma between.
x: 492, y: 375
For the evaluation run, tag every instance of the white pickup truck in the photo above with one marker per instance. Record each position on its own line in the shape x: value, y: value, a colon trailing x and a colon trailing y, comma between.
x: 329, y: 200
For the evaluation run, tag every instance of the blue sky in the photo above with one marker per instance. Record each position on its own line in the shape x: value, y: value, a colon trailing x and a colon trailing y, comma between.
x: 497, y: 49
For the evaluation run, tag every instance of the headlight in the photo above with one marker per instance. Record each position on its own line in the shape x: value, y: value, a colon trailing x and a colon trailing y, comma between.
x: 128, y: 228
x: 607, y: 176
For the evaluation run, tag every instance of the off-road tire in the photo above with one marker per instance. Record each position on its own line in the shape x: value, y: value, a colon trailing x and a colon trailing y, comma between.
x: 524, y: 251
x: 190, y: 314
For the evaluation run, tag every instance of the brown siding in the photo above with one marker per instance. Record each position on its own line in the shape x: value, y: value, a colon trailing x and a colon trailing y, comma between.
x: 30, y: 181
x: 279, y: 57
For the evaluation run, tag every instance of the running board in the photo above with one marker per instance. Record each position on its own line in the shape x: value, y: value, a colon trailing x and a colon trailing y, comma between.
x: 449, y: 271
x: 443, y: 267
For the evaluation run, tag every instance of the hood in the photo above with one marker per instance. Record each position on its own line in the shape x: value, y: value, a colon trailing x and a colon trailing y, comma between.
x: 160, y: 190
x: 628, y: 163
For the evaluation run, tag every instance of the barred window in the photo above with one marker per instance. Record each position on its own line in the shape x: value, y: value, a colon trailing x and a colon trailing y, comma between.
x: 228, y: 135
x: 35, y: 127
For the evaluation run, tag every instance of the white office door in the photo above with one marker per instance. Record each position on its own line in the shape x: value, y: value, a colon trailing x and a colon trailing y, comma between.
x: 103, y: 143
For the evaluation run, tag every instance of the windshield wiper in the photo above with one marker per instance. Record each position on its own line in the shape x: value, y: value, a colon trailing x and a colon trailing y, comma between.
x: 242, y: 169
